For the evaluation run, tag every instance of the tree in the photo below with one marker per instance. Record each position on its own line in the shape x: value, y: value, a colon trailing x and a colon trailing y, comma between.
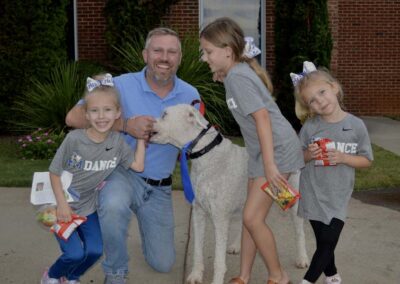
x: 301, y: 33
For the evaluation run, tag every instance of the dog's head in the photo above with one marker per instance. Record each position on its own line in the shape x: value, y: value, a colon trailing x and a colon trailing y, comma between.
x: 178, y: 125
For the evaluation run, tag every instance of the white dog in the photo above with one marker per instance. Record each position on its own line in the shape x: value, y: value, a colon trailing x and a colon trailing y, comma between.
x: 219, y: 179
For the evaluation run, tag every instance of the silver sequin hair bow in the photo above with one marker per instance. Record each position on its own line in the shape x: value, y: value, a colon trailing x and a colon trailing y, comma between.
x: 250, y: 49
x: 308, y: 67
x: 92, y: 84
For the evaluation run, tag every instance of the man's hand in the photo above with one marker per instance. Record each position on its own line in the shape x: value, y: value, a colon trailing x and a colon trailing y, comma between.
x: 140, y: 126
x: 218, y: 76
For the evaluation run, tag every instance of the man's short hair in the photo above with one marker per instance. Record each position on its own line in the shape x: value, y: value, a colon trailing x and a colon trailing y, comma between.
x: 161, y: 31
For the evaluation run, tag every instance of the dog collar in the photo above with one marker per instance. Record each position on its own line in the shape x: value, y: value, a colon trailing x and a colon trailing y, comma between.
x: 217, y: 140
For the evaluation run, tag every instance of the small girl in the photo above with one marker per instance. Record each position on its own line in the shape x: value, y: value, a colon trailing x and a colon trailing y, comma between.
x: 273, y: 147
x: 90, y: 155
x: 335, y: 143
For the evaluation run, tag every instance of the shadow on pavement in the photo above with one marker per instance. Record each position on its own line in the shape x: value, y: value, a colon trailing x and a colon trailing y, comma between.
x: 388, y: 198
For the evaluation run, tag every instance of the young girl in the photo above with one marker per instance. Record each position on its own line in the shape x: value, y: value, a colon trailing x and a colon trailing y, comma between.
x: 335, y: 143
x: 90, y: 155
x: 273, y: 147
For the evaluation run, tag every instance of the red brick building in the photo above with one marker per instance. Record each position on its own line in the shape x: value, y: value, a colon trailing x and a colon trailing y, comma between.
x: 365, y: 58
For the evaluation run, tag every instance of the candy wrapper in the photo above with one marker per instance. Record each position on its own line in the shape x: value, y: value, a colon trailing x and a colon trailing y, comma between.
x: 285, y: 196
x: 47, y: 217
x: 325, y: 144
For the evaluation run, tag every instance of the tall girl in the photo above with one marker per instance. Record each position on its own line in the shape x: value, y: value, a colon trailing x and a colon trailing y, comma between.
x: 273, y: 147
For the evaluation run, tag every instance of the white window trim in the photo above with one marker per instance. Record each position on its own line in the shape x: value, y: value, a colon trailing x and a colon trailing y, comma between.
x: 263, y: 28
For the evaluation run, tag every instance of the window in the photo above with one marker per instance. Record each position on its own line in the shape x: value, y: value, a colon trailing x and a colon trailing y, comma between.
x: 249, y: 14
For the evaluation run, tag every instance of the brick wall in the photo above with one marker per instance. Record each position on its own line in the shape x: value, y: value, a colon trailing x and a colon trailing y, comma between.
x: 91, y: 27
x: 365, y: 55
x: 369, y: 55
x: 183, y: 17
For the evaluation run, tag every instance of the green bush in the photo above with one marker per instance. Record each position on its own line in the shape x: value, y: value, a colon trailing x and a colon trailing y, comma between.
x: 191, y: 70
x: 32, y: 40
x: 128, y: 19
x: 48, y: 101
x: 42, y: 144
x: 301, y: 33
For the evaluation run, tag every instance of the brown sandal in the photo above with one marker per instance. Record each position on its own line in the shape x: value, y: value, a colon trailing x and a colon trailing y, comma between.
x: 273, y: 282
x: 236, y: 280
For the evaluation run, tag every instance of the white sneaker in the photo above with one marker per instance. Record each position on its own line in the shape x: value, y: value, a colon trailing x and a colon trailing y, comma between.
x: 115, y: 279
x: 73, y: 282
x: 46, y: 280
x: 335, y: 279
x: 305, y: 282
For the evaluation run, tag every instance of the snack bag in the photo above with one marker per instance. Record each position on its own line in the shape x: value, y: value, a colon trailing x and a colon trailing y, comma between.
x: 46, y: 215
x: 325, y: 144
x: 47, y: 218
x: 285, y: 196
x: 64, y: 230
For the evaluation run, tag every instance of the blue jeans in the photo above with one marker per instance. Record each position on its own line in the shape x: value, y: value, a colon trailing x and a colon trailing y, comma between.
x: 125, y: 193
x: 82, y: 249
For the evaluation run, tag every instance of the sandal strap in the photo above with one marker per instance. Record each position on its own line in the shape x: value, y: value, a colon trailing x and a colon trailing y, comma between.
x: 236, y: 280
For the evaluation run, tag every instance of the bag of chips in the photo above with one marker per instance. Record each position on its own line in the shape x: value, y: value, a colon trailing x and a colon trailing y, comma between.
x: 47, y: 217
x: 285, y: 196
x: 325, y: 144
x: 64, y: 230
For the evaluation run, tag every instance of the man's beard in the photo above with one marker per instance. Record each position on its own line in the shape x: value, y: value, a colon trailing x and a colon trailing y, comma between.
x: 161, y: 80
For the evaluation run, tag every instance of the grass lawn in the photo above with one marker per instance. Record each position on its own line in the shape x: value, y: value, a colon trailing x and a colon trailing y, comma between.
x: 384, y: 173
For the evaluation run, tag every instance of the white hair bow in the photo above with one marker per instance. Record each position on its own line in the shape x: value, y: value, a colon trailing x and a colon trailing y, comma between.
x: 92, y: 84
x: 308, y: 67
x: 250, y: 49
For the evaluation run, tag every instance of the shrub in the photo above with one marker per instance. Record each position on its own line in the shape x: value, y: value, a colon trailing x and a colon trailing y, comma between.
x: 32, y: 40
x: 47, y: 103
x: 301, y: 33
x: 128, y: 19
x: 42, y: 144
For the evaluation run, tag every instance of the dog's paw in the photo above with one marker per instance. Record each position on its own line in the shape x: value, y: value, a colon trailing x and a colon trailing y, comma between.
x: 195, y: 277
x: 233, y: 249
x: 302, y: 262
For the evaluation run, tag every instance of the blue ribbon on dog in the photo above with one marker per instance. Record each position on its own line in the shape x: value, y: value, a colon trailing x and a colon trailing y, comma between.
x: 185, y: 177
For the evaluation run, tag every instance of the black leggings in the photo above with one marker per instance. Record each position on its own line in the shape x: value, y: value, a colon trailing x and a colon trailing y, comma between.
x: 327, y: 236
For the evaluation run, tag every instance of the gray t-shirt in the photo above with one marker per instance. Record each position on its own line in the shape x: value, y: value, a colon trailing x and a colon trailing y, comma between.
x: 326, y: 190
x: 245, y: 94
x: 90, y: 163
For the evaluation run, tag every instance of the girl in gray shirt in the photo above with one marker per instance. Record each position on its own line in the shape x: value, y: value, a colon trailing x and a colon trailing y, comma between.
x: 90, y: 155
x: 335, y: 143
x: 273, y: 147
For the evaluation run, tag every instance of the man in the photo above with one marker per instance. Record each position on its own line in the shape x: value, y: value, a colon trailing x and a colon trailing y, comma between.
x: 144, y: 96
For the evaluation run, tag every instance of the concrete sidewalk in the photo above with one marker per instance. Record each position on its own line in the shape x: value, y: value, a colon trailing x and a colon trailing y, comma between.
x: 368, y: 251
x: 384, y: 132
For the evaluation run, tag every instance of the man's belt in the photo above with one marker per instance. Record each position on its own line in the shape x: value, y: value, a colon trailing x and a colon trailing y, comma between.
x: 162, y: 182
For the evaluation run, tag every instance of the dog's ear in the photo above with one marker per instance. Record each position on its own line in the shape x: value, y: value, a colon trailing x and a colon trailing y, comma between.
x: 195, y: 117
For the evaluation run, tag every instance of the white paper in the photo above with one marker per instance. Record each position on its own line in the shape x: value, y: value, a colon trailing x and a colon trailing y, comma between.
x: 42, y: 192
